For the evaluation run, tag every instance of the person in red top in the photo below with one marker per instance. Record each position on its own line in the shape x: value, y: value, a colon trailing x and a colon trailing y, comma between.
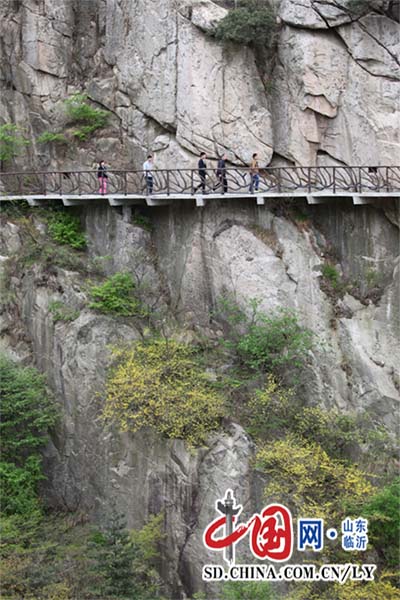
x: 102, y: 177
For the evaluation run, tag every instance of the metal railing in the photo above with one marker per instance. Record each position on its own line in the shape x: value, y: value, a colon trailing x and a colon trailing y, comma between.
x: 190, y: 181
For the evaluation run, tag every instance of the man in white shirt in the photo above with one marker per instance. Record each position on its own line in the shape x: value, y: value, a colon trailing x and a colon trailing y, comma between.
x: 148, y: 168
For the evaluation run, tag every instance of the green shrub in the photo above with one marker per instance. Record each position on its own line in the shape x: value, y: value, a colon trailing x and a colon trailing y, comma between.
x: 26, y: 414
x: 62, y: 557
x: 383, y: 512
x: 27, y: 411
x: 160, y: 384
x: 275, y: 412
x: 330, y: 273
x: 79, y: 111
x: 351, y: 590
x: 252, y: 22
x: 248, y: 590
x: 62, y: 312
x: 116, y: 296
x: 65, y: 228
x: 142, y: 221
x: 274, y: 343
x: 19, y: 486
x: 11, y: 141
x: 48, y: 138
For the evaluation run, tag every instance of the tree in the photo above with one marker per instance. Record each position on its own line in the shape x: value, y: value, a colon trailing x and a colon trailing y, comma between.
x: 12, y: 141
x: 27, y: 412
x: 160, y: 384
x: 251, y: 22
x: 124, y: 560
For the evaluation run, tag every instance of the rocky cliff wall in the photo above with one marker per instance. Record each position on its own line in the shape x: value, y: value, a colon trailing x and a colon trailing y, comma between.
x: 332, y: 98
x: 173, y: 89
x: 192, y: 256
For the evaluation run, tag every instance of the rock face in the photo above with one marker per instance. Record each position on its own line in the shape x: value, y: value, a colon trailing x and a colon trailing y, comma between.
x: 252, y: 253
x: 332, y: 98
x: 173, y: 89
x: 195, y: 256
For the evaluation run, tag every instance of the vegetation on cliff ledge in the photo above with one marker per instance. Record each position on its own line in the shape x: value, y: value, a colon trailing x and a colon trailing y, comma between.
x: 250, y: 22
x: 160, y: 384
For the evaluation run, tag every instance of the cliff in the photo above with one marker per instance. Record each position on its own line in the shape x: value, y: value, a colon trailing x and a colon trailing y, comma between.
x: 328, y: 95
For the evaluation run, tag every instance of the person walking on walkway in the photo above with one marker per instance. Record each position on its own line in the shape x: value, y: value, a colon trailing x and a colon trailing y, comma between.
x: 102, y: 176
x: 148, y: 173
x: 254, y: 173
x: 221, y: 174
x: 202, y: 170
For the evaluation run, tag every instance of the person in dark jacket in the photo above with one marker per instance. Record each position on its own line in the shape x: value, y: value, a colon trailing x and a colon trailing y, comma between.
x: 202, y: 170
x: 102, y: 176
x: 221, y: 174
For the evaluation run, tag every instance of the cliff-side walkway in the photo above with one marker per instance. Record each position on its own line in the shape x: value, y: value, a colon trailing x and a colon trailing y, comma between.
x: 316, y: 184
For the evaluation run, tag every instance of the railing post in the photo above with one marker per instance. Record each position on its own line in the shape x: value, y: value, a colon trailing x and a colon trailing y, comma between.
x: 44, y: 184
x: 125, y: 183
x: 359, y: 180
x: 334, y: 180
x: 279, y: 180
x: 309, y: 180
x: 61, y: 178
x: 387, y: 180
x: 79, y: 183
x: 191, y: 181
x: 167, y: 182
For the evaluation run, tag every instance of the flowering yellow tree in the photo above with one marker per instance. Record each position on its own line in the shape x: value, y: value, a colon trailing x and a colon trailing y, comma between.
x: 160, y: 384
x: 304, y: 475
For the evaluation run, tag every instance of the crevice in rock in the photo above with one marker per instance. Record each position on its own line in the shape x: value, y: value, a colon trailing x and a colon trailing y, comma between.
x: 337, y: 35
x: 391, y: 54
x: 225, y: 225
x: 193, y: 524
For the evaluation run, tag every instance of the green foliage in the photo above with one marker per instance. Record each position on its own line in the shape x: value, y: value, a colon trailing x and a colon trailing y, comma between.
x: 38, y: 249
x: 116, y: 296
x: 11, y: 141
x: 62, y: 557
x: 62, y: 312
x: 142, y: 221
x: 65, y: 228
x: 251, y: 590
x: 48, y: 137
x: 252, y: 22
x: 304, y: 476
x: 19, y: 486
x: 275, y: 411
x: 50, y: 255
x: 299, y: 215
x: 160, y: 384
x: 26, y: 414
x: 373, y: 277
x: 351, y: 590
x: 383, y: 512
x: 274, y: 343
x: 331, y: 274
x: 125, y: 560
x: 79, y: 111
x: 26, y: 409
